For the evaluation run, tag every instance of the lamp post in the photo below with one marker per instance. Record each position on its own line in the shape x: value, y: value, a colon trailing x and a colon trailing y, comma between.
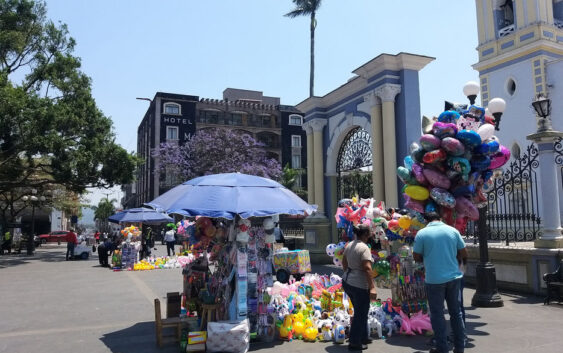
x: 33, y: 199
x: 486, y: 293
x: 545, y: 138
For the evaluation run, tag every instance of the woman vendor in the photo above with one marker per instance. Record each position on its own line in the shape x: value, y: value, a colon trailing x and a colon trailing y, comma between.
x: 358, y: 284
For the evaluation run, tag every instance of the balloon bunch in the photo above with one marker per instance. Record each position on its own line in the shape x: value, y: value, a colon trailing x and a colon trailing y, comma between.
x: 354, y: 211
x: 336, y: 251
x: 129, y: 232
x: 446, y: 170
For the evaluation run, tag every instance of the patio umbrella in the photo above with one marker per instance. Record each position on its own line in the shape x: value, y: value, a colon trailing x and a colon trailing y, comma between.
x: 141, y: 214
x: 230, y: 194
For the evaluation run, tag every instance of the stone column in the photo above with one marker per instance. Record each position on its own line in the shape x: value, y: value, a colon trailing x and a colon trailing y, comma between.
x: 387, y: 94
x: 310, y: 165
x: 551, y: 220
x: 317, y: 126
x: 376, y: 146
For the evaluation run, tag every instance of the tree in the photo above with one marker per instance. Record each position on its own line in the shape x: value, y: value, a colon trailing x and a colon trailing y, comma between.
x: 213, y: 151
x: 288, y: 177
x: 51, y: 131
x: 104, y: 209
x: 308, y: 8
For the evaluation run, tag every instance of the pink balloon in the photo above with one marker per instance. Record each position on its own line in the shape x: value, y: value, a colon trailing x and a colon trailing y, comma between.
x: 465, y: 207
x: 500, y: 158
x: 412, y: 204
x: 436, y: 178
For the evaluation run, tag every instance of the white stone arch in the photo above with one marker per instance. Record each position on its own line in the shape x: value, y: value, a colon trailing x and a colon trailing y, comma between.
x: 337, y: 137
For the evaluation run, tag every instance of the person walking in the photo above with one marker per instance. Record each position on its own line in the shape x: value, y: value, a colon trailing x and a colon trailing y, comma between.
x: 170, y: 240
x: 440, y: 246
x: 278, y: 234
x: 357, y: 282
x: 71, y: 241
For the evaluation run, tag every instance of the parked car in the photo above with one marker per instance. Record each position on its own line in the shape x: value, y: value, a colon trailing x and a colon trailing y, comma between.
x: 56, y: 236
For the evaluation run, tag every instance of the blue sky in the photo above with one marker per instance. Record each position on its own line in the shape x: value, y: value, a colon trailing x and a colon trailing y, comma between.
x: 134, y: 48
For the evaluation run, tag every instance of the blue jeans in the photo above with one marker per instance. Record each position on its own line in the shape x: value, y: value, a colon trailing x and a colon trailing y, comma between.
x: 360, y: 301
x: 449, y: 292
x: 69, y: 250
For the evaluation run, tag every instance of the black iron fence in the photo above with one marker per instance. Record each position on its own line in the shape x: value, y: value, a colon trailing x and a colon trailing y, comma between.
x: 513, y: 200
x: 558, y: 149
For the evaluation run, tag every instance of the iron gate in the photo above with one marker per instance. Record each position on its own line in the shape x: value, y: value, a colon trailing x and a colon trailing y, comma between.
x: 558, y: 149
x: 513, y: 201
x: 352, y: 165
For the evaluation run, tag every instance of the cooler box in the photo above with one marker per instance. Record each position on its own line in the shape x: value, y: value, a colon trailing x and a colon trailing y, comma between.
x: 294, y: 261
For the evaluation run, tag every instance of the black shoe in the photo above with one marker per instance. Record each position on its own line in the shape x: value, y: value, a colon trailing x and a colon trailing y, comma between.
x: 367, y: 341
x: 435, y: 350
x: 352, y: 347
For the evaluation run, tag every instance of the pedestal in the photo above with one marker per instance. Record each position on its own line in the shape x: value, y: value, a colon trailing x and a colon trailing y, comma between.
x: 486, y: 294
x: 317, y: 237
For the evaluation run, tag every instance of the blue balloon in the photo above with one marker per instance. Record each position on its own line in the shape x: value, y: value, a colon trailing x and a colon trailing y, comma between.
x: 449, y: 116
x: 480, y: 162
x: 463, y: 190
x: 408, y: 162
x: 469, y: 138
x: 487, y: 174
x: 430, y: 207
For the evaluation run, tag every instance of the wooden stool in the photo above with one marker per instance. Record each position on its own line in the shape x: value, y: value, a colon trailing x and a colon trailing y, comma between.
x: 208, y: 314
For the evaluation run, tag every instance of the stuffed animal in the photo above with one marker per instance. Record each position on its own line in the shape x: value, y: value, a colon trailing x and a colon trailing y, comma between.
x: 420, y: 322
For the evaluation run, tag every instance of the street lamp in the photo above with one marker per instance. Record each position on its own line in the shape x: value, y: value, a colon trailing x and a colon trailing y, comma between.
x: 471, y: 90
x: 33, y: 200
x: 496, y: 107
x: 542, y: 106
x: 486, y: 293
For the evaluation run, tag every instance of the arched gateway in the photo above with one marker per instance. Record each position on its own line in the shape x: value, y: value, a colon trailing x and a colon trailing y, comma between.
x: 356, y: 137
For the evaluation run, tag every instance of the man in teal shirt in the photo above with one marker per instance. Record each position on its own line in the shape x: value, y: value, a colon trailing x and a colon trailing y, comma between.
x: 440, y: 246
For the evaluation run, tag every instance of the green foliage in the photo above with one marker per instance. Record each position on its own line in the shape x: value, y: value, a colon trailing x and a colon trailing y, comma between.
x: 288, y: 177
x: 104, y: 209
x: 51, y: 131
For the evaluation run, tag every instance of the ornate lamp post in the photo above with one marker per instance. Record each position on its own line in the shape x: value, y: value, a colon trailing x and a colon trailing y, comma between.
x: 545, y: 138
x: 486, y: 293
x: 33, y: 199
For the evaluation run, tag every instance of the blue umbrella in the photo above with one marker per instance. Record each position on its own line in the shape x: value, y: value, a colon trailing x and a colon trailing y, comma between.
x: 141, y: 214
x: 230, y: 194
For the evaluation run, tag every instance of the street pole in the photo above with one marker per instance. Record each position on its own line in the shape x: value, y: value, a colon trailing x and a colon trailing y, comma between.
x: 486, y: 294
x: 31, y: 237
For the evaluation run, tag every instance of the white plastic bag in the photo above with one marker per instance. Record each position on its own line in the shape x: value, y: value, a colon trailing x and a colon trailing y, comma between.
x: 228, y: 336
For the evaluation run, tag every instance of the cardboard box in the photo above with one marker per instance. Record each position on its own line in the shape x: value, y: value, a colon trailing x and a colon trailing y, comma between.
x: 294, y: 261
x: 196, y: 337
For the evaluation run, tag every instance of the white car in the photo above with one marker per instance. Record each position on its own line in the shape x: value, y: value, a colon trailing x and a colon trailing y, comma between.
x: 83, y: 249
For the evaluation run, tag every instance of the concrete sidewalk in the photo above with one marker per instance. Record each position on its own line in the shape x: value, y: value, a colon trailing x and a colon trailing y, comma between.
x: 51, y: 305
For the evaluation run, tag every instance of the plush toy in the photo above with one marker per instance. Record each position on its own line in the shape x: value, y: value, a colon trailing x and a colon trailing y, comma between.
x: 420, y: 322
x: 243, y: 227
x: 326, y: 332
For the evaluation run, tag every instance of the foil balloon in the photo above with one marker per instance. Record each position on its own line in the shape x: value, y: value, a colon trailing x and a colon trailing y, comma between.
x: 430, y: 207
x: 418, y: 154
x: 408, y: 162
x: 460, y: 165
x: 453, y: 146
x: 405, y: 222
x: 443, y: 130
x: 442, y: 197
x: 406, y: 176
x: 417, y: 192
x: 436, y: 178
x: 500, y: 158
x: 429, y: 142
x: 418, y: 174
x: 413, y: 204
x: 486, y: 131
x: 466, y: 208
x: 435, y: 156
x: 449, y: 116
x: 447, y: 215
x: 480, y: 162
x: 469, y: 138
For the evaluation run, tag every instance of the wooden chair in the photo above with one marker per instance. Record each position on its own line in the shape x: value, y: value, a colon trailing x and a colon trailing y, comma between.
x: 161, y: 323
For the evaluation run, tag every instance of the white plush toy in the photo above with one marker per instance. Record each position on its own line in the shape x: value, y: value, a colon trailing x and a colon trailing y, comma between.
x: 243, y: 227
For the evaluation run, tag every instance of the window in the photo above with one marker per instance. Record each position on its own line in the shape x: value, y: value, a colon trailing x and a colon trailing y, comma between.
x: 171, y: 132
x: 266, y: 121
x: 295, y: 141
x: 210, y: 117
x: 296, y: 161
x: 511, y: 86
x: 237, y: 119
x: 295, y: 119
x: 172, y: 108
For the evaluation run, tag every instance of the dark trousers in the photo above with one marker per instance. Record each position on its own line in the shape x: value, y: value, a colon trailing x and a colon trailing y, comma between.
x: 449, y: 292
x: 360, y: 301
x: 70, y: 250
x: 170, y: 246
x: 103, y: 255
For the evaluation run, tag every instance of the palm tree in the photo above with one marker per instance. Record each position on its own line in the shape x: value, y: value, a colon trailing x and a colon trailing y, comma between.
x: 306, y: 8
x: 104, y: 209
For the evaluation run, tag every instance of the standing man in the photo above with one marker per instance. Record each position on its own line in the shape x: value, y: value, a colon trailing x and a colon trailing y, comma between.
x: 71, y: 241
x: 439, y: 246
x: 278, y: 234
x: 170, y: 240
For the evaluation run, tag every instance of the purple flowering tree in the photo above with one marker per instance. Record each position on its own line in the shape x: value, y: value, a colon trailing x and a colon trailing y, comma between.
x: 213, y: 151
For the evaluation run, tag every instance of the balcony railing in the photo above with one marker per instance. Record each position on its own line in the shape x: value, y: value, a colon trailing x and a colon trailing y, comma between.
x: 503, y: 32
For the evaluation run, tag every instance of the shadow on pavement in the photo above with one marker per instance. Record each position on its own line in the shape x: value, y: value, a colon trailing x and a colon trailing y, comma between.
x: 416, y: 343
x: 139, y: 338
x: 41, y: 254
x: 256, y: 346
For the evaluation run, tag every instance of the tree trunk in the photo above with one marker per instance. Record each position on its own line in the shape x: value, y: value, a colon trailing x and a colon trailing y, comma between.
x: 312, y: 76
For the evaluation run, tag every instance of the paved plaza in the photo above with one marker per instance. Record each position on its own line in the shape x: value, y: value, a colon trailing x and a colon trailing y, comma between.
x: 50, y: 305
